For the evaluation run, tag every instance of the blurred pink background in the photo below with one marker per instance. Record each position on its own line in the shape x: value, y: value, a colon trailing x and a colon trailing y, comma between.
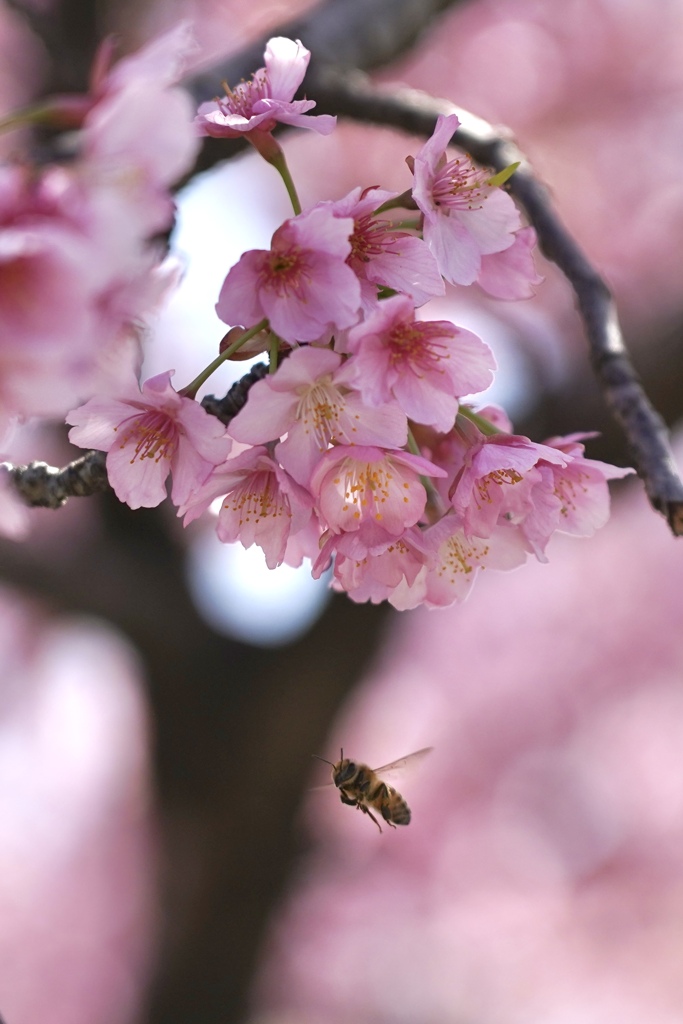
x: 541, y: 881
x: 541, y: 877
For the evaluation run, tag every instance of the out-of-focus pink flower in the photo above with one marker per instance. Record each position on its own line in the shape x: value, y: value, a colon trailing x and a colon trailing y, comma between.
x: 149, y: 433
x: 371, y: 493
x: 47, y: 320
x: 424, y: 365
x: 381, y: 255
x: 455, y: 563
x: 127, y: 145
x: 78, y: 271
x: 306, y: 401
x: 263, y: 505
x: 511, y: 274
x: 465, y: 218
x: 124, y: 144
x: 160, y: 63
x: 257, y: 106
x: 301, y: 284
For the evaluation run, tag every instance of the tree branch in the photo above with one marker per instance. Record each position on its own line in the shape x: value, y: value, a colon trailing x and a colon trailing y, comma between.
x: 43, y: 486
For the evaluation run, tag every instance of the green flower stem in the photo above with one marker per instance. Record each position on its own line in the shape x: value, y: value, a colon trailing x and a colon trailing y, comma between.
x: 433, y: 497
x: 413, y: 446
x: 26, y: 115
x: 482, y: 424
x: 280, y: 164
x: 274, y: 350
x: 405, y: 202
x: 271, y: 151
x: 191, y: 390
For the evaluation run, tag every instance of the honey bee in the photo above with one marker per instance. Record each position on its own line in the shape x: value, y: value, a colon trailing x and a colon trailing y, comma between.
x: 360, y: 786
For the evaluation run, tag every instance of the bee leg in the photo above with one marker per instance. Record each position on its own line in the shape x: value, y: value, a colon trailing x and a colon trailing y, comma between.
x: 351, y: 801
x: 365, y: 810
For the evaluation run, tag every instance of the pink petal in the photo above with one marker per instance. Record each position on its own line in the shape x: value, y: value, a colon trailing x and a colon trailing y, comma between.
x: 140, y: 483
x: 286, y: 62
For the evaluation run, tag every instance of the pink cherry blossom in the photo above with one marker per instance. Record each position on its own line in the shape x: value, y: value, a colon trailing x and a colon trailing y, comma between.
x: 382, y: 255
x: 263, y: 505
x: 370, y: 492
x: 301, y: 284
x: 498, y: 479
x: 457, y: 559
x: 306, y: 401
x: 571, y: 497
x: 257, y: 106
x: 450, y: 450
x: 511, y: 274
x: 374, y: 577
x: 424, y: 365
x: 149, y: 433
x: 465, y: 218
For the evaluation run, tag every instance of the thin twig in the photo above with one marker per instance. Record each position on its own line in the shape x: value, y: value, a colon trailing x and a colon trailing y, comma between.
x: 353, y: 95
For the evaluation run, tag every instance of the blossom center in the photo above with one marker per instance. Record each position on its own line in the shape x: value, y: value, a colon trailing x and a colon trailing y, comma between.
x: 155, y: 436
x: 460, y: 185
x: 319, y: 409
x: 286, y: 272
x: 458, y: 558
x: 497, y: 478
x: 420, y: 345
x: 257, y: 498
x: 370, y: 238
x: 242, y: 99
x: 367, y: 486
x: 567, y: 491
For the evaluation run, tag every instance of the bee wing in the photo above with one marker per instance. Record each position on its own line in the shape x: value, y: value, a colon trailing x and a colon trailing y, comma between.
x: 395, y: 769
x: 404, y: 763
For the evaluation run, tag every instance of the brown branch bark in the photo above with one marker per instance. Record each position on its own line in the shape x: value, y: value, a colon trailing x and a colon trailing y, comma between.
x: 43, y: 486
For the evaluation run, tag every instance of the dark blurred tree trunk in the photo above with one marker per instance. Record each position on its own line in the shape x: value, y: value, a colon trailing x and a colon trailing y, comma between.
x: 234, y: 728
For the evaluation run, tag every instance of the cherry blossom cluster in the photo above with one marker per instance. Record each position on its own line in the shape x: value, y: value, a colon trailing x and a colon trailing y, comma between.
x: 360, y: 450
